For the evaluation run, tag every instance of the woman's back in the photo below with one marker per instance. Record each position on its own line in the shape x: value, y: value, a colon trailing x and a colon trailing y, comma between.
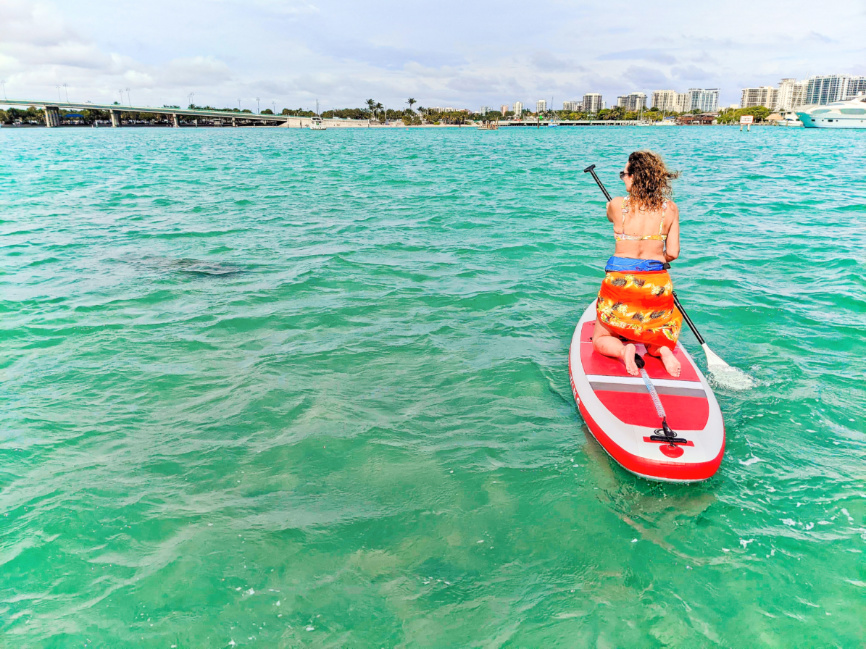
x: 640, y: 233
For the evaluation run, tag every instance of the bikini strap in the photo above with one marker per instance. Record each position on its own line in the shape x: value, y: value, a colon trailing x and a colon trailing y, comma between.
x: 624, y: 210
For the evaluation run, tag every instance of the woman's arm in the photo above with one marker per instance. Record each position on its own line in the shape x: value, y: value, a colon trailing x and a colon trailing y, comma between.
x: 672, y: 245
x: 614, y: 208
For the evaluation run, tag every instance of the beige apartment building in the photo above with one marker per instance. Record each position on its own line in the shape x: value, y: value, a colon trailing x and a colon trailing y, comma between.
x: 766, y: 96
x: 664, y: 100
x: 791, y: 95
x: 592, y: 102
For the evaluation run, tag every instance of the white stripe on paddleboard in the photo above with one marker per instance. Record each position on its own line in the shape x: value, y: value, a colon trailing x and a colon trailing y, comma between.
x: 636, y: 380
x: 642, y: 389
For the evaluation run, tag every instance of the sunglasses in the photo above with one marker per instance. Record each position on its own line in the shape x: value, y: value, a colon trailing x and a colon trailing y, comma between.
x: 623, y: 174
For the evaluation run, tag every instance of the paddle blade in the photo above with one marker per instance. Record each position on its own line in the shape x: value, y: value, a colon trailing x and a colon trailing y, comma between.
x: 725, y: 375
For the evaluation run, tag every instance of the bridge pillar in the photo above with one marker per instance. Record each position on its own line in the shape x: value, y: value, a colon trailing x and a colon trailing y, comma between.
x: 234, y: 121
x: 175, y: 121
x: 52, y: 116
x: 115, y: 118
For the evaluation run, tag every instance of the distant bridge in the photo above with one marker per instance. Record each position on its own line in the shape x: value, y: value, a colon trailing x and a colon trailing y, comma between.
x: 224, y: 117
x: 227, y: 117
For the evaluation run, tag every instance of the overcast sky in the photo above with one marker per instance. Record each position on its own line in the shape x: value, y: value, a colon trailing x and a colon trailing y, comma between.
x: 443, y: 54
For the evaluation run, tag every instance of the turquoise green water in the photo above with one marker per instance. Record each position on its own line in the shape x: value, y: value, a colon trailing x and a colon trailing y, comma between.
x: 290, y: 389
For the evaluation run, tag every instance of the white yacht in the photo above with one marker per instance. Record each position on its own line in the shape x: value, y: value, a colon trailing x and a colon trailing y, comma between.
x: 850, y: 113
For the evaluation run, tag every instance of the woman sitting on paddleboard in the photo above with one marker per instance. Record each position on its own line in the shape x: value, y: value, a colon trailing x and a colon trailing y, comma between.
x: 636, y: 300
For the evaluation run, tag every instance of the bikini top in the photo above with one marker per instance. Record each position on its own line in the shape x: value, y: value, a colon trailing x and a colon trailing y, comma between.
x: 637, y: 237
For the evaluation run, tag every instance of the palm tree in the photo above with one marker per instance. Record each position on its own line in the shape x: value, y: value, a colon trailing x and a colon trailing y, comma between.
x: 379, y: 107
x: 371, y: 105
x: 411, y: 101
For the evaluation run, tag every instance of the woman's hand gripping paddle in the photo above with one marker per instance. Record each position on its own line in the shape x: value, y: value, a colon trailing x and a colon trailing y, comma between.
x: 722, y: 373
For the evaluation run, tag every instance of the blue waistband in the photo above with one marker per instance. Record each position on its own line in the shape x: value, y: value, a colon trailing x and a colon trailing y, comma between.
x: 625, y: 264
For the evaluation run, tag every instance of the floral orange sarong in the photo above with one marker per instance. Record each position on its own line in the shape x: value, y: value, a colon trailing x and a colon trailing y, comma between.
x: 639, y: 306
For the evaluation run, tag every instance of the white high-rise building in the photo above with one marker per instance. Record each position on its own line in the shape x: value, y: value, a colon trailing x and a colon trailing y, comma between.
x: 503, y: 108
x: 833, y: 87
x: 518, y: 108
x: 592, y: 102
x: 791, y: 95
x: 541, y: 106
x: 572, y: 106
x: 635, y: 101
x: 704, y: 100
x: 620, y: 101
x: 857, y: 86
x: 684, y: 102
x: 766, y: 96
x: 484, y: 110
x: 664, y: 100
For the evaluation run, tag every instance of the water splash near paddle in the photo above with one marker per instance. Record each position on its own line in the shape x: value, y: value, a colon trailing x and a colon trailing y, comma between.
x: 724, y: 375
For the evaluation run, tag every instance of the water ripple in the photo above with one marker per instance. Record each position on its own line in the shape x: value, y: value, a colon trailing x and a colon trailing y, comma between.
x: 294, y: 389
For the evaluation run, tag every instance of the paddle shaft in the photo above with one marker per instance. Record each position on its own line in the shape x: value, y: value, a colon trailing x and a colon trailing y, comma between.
x: 688, y: 320
x: 591, y: 169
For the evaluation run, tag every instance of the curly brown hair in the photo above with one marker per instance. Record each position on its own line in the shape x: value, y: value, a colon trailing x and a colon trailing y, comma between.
x: 651, y: 180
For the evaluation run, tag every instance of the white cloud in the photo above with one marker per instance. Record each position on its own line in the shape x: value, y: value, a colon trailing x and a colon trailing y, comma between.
x: 32, y: 23
x: 196, y: 71
x: 294, y: 51
x: 283, y: 7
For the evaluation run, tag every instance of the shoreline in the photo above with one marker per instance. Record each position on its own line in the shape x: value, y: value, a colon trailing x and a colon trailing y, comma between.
x: 525, y: 126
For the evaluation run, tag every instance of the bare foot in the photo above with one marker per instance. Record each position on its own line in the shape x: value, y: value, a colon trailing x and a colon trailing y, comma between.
x: 672, y: 365
x: 628, y: 358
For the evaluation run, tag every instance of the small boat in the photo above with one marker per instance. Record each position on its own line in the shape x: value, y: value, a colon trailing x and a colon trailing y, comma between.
x: 656, y: 426
x: 316, y: 123
x: 788, y: 120
x: 838, y: 114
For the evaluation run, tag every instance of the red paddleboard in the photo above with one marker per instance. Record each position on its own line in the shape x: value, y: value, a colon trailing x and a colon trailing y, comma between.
x: 619, y: 411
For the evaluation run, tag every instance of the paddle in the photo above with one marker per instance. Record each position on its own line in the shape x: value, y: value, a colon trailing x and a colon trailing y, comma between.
x: 724, y: 374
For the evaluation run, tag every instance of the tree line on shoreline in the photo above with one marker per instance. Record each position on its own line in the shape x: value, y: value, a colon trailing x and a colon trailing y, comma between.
x: 733, y: 115
x: 375, y: 111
